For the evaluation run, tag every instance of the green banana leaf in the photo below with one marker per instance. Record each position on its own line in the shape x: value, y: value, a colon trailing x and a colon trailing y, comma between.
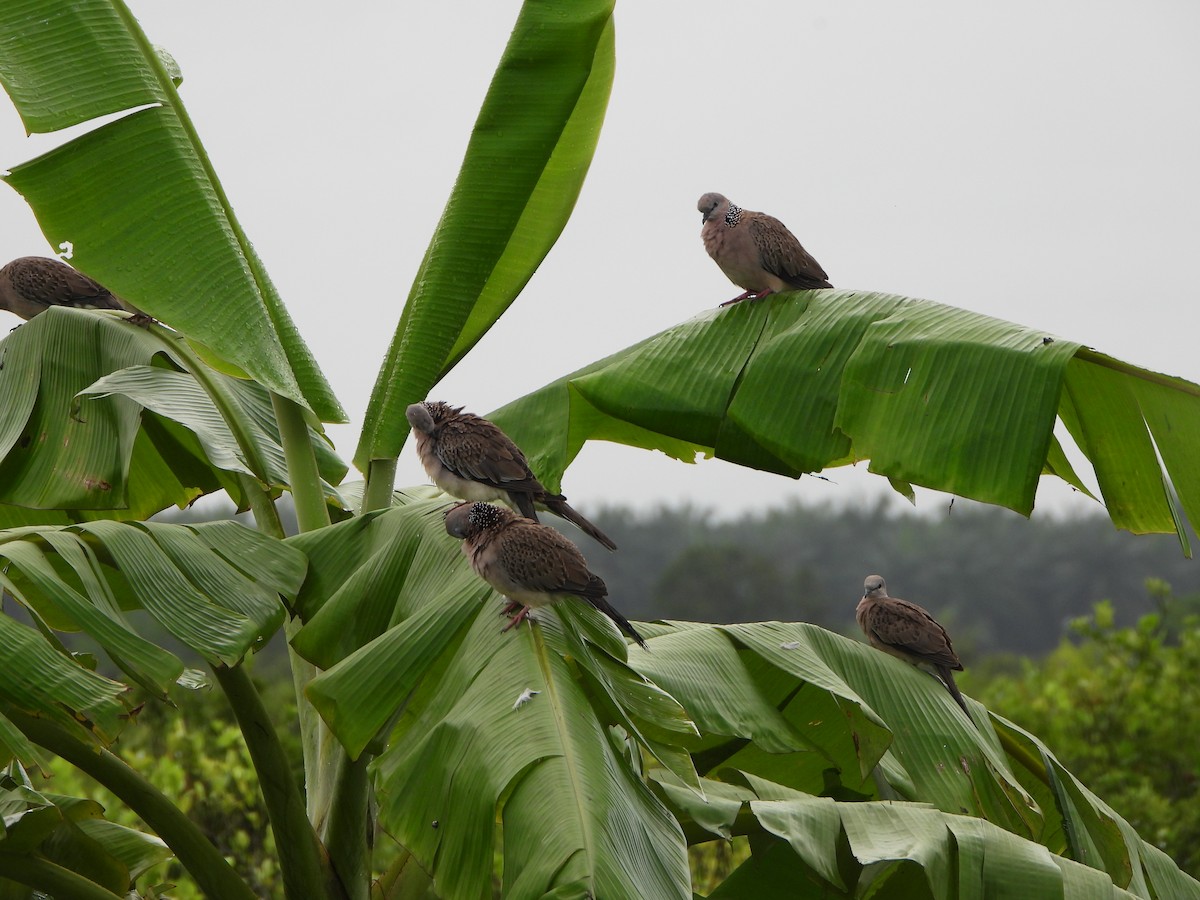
x: 95, y: 425
x: 814, y: 846
x: 529, y: 152
x: 179, y: 397
x: 539, y: 727
x: 464, y: 720
x: 774, y: 703
x: 137, y: 199
x: 799, y: 705
x: 895, y: 849
x: 44, y: 832
x: 932, y: 395
x: 215, y: 587
x: 41, y: 677
x: 15, y: 746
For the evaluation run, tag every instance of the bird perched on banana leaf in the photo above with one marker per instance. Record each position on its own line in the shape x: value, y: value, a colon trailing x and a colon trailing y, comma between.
x: 908, y: 632
x: 32, y: 284
x: 470, y: 458
x: 756, y: 251
x: 531, y: 564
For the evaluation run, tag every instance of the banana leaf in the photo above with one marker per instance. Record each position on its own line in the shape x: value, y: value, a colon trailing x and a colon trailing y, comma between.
x: 538, y: 728
x: 524, y: 167
x: 136, y: 200
x: 931, y: 395
x: 96, y: 424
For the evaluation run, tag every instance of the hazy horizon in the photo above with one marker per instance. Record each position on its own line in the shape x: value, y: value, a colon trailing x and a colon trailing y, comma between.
x: 1035, y: 163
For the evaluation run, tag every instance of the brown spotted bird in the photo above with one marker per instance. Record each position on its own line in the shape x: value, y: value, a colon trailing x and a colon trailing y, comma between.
x: 908, y: 632
x: 756, y: 251
x: 530, y: 564
x: 32, y: 284
x: 470, y: 458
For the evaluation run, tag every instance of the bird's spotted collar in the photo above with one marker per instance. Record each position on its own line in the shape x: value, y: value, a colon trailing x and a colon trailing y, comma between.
x: 440, y: 411
x: 733, y: 216
x: 484, y: 515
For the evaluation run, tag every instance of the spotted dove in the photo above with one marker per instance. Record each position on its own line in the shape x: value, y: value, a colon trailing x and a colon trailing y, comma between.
x: 32, y: 284
x: 907, y: 632
x: 532, y: 565
x: 756, y: 251
x: 470, y: 458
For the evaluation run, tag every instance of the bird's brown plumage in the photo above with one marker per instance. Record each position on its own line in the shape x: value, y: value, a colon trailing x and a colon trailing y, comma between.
x: 32, y: 284
x: 471, y: 458
x: 908, y: 632
x: 756, y: 251
x: 529, y: 563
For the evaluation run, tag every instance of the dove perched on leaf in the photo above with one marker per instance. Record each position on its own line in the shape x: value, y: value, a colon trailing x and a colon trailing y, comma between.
x: 908, y: 632
x: 530, y: 564
x: 470, y: 458
x: 756, y: 251
x: 32, y: 284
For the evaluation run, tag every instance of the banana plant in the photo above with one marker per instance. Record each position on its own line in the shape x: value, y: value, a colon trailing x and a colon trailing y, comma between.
x: 554, y: 760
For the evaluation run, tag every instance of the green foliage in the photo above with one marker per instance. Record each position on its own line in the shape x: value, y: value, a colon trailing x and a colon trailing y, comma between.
x: 1121, y: 708
x: 194, y: 753
x: 807, y: 563
x: 555, y: 753
x: 712, y: 861
x: 811, y: 380
x: 529, y: 152
x: 104, y: 190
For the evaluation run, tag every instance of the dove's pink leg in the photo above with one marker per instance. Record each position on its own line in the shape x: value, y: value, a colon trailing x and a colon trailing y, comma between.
x: 749, y: 294
x: 517, y: 619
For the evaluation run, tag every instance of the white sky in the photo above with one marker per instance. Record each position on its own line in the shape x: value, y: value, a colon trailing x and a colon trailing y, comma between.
x: 1039, y: 162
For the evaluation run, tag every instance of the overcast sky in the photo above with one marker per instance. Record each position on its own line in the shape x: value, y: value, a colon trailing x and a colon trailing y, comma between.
x: 1038, y: 162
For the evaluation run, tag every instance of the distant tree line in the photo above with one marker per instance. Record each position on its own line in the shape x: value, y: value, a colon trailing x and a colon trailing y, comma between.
x: 998, y: 581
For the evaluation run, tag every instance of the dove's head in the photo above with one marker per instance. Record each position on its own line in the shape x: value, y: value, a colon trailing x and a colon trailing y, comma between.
x: 468, y: 519
x: 427, y: 416
x: 712, y: 205
x: 874, y: 585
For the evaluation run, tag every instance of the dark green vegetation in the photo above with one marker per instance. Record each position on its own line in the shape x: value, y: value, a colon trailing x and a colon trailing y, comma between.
x: 1120, y: 704
x: 998, y: 581
x: 550, y: 761
x: 194, y: 752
